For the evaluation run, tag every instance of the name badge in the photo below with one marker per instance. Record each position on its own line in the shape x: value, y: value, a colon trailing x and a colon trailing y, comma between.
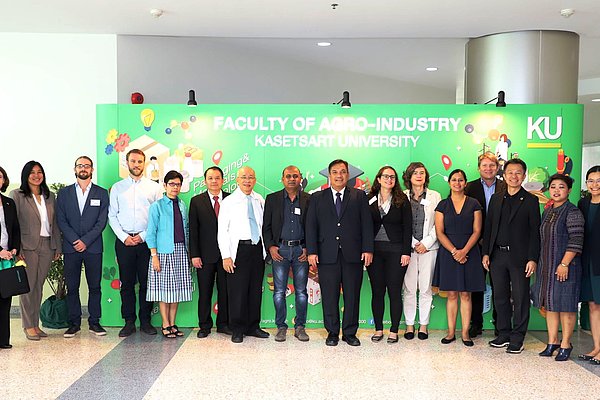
x: 425, y: 202
x: 95, y: 202
x: 372, y: 200
x: 297, y: 210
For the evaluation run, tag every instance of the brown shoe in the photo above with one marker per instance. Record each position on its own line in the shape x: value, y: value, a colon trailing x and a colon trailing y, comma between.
x: 29, y: 336
x: 281, y: 333
x: 300, y: 334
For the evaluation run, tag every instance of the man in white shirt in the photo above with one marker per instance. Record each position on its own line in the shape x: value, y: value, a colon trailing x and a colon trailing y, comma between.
x: 240, y: 243
x: 130, y: 201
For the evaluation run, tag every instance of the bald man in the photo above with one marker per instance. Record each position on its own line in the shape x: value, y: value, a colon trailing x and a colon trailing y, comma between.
x: 240, y: 242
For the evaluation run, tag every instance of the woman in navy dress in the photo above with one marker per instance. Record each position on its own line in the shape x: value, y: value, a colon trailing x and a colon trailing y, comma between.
x: 458, y: 269
x: 558, y: 273
x: 590, y: 259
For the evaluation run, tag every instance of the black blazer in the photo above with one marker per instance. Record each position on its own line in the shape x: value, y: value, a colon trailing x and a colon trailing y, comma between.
x: 273, y: 217
x: 524, y: 228
x: 203, y: 229
x: 474, y: 189
x: 352, y: 231
x: 397, y: 223
x: 12, y: 223
x: 591, y: 244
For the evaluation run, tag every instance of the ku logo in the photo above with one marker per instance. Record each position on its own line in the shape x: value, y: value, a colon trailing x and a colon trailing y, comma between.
x: 542, y: 128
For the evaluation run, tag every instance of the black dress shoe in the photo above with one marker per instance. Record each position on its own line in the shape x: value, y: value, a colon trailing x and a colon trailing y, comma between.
x: 352, y: 340
x: 549, y: 350
x: 475, y: 330
x: 237, y: 337
x: 202, y: 333
x: 468, y: 343
x: 332, y: 340
x: 128, y: 329
x: 258, y: 333
x: 423, y: 335
x: 148, y: 329
x: 448, y: 341
x: 225, y: 330
x: 409, y: 335
x: 563, y: 354
x: 5, y: 346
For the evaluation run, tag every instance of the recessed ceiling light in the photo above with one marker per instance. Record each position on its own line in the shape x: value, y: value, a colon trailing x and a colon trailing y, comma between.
x: 596, y: 100
x: 431, y: 69
x: 323, y: 44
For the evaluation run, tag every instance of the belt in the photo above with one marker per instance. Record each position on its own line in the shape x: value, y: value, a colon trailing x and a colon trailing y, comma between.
x: 292, y: 243
x: 133, y: 234
x: 503, y: 248
x: 248, y: 241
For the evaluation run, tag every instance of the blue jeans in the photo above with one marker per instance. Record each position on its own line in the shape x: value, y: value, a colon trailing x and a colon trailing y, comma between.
x: 280, y: 278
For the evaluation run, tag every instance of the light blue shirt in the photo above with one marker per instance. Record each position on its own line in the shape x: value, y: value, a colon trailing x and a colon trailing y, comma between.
x: 130, y: 202
x: 488, y: 191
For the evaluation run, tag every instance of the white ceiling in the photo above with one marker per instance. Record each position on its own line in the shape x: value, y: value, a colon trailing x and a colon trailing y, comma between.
x: 390, y: 38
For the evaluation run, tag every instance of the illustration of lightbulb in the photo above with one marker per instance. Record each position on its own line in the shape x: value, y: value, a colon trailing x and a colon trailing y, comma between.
x: 147, y: 117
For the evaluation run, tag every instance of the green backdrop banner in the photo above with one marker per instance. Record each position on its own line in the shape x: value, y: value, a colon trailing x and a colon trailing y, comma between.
x: 269, y: 137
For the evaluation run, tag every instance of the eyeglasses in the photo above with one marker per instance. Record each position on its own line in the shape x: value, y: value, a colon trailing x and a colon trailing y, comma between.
x: 83, y: 166
x: 290, y: 176
x: 592, y: 181
x: 386, y: 176
x: 247, y: 178
x: 174, y: 184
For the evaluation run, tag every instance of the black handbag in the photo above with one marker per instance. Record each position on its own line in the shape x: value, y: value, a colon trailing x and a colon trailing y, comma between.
x: 13, y: 281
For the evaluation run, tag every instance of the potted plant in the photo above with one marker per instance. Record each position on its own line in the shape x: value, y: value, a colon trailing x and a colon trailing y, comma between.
x: 54, y: 313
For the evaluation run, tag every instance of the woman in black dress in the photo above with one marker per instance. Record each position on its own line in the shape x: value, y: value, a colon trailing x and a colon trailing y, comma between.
x: 458, y: 269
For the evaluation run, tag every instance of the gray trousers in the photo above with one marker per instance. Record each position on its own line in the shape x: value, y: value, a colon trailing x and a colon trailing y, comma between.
x: 38, y: 264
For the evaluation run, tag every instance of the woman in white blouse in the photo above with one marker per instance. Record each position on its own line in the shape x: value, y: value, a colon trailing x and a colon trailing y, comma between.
x: 40, y: 240
x: 424, y: 246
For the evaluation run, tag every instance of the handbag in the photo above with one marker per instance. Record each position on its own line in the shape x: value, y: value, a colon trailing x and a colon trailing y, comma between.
x: 13, y: 279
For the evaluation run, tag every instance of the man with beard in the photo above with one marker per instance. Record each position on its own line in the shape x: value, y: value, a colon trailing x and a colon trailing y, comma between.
x: 130, y: 201
x: 81, y: 213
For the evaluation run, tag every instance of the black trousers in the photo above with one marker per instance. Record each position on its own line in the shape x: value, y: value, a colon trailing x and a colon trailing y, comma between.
x: 510, y: 283
x: 133, y: 268
x: 93, y: 275
x: 5, y: 320
x: 386, y: 273
x: 244, y: 288
x: 349, y: 276
x: 206, y: 280
x: 477, y: 303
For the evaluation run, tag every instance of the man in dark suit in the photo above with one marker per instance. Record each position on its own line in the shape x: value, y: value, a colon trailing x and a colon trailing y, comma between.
x: 339, y: 240
x: 283, y: 235
x: 482, y: 189
x: 511, y: 249
x: 81, y: 213
x: 205, y: 254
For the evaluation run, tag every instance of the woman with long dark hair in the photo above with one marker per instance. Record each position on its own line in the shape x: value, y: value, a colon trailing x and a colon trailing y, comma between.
x: 40, y: 240
x: 392, y: 224
x: 10, y: 243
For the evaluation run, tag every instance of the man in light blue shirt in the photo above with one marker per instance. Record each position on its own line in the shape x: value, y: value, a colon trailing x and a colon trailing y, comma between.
x: 130, y: 201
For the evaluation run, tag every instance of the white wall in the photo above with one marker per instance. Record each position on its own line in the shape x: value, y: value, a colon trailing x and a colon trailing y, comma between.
x: 163, y: 69
x: 49, y: 87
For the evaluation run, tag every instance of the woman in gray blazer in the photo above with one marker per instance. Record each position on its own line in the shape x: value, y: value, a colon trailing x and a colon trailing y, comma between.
x: 40, y: 240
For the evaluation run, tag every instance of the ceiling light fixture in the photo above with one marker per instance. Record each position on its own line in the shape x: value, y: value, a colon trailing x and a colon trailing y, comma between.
x: 345, y: 100
x: 324, y: 44
x: 192, y: 99
x: 596, y: 100
x: 567, y: 12
x: 156, y: 12
x: 431, y: 69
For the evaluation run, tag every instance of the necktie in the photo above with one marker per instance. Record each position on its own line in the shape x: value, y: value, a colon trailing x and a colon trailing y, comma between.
x: 338, y: 203
x: 254, y: 234
x: 217, y: 205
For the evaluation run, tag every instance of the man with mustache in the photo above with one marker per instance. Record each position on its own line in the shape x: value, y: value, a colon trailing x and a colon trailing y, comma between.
x: 130, y: 201
x: 81, y: 213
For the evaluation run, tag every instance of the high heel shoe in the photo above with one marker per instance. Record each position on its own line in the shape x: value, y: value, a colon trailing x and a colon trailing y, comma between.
x: 549, y: 350
x: 34, y: 337
x: 564, y: 354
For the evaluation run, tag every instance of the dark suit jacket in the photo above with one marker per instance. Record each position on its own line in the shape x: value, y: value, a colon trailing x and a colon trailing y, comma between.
x: 352, y: 231
x: 12, y: 223
x: 86, y: 226
x: 524, y: 227
x: 203, y: 229
x: 591, y: 244
x: 474, y: 189
x: 397, y: 223
x: 273, y: 217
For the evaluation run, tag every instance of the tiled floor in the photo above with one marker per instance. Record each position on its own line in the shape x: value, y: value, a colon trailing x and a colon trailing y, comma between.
x: 89, y: 367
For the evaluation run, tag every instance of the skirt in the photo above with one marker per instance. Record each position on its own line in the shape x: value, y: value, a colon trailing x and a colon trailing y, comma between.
x: 173, y: 284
